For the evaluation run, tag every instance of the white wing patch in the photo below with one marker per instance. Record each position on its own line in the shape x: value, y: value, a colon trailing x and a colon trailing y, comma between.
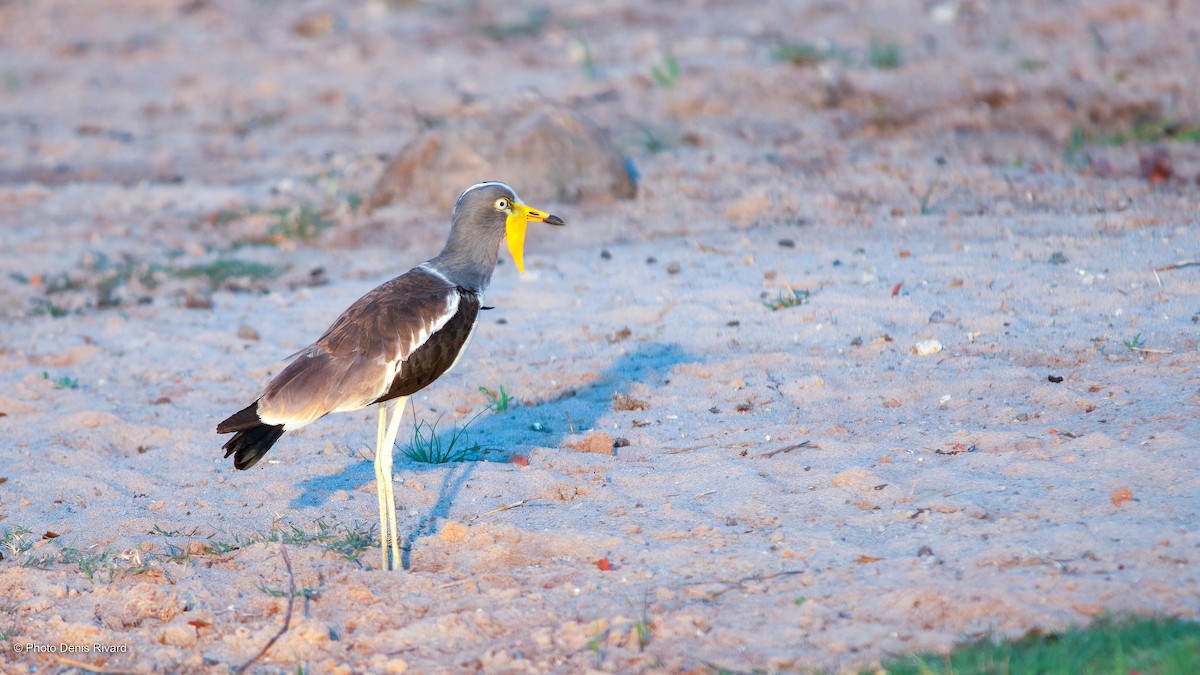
x: 352, y: 383
x: 392, y: 368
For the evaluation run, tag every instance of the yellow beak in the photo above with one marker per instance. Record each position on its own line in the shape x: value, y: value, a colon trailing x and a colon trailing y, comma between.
x: 514, y: 229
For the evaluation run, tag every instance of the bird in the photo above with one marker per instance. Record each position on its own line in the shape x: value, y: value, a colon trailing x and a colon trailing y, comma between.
x: 391, y: 343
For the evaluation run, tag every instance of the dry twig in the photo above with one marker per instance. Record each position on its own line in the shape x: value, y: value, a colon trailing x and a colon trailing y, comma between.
x: 287, y: 617
x: 804, y: 444
x: 1178, y: 265
x: 499, y: 509
x: 730, y: 585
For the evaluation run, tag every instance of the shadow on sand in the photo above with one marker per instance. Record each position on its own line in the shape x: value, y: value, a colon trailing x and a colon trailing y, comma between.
x: 543, y: 424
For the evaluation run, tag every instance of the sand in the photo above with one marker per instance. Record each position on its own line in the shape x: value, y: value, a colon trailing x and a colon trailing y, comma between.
x: 976, y: 416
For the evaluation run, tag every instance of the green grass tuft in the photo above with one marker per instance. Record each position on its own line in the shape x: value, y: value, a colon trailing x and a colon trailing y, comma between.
x: 1150, y: 646
x: 302, y: 222
x: 498, y: 402
x: 64, y: 382
x: 220, y: 271
x: 798, y: 53
x: 1135, y: 342
x: 667, y: 74
x: 533, y: 25
x: 428, y: 447
x: 884, y: 55
x: 792, y: 299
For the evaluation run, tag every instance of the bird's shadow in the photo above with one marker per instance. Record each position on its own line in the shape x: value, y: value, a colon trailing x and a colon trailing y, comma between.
x: 545, y: 423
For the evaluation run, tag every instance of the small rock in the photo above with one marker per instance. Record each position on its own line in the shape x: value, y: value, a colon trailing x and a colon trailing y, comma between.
x: 596, y: 442
x: 453, y: 532
x: 937, y: 316
x: 197, y: 301
x: 1057, y: 258
x: 246, y: 332
x: 621, y: 442
x: 620, y: 335
x: 787, y: 243
x: 605, y: 255
x: 926, y: 347
x: 314, y: 25
x: 1156, y: 166
x: 626, y: 402
x: 673, y: 268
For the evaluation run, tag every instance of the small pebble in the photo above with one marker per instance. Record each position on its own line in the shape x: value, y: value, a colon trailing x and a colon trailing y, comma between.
x: 673, y: 268
x: 936, y: 316
x: 651, y: 260
x: 605, y: 255
x: 1057, y: 258
x: 1055, y: 378
x: 787, y: 243
x: 927, y: 347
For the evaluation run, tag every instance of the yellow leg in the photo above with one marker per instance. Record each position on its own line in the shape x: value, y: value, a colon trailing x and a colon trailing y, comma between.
x: 389, y: 443
x: 379, y: 484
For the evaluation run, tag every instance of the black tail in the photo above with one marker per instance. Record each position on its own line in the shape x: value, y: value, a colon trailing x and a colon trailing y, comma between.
x: 253, y: 438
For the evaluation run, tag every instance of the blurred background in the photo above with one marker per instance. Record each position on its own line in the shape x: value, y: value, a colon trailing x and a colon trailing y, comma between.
x: 155, y: 151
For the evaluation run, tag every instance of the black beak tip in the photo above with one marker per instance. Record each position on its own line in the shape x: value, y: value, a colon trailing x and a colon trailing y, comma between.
x: 555, y: 220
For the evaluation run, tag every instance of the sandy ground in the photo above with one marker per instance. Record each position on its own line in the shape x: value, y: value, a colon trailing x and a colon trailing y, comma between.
x: 892, y: 465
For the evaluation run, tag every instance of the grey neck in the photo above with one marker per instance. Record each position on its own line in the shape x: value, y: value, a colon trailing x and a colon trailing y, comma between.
x: 468, y: 261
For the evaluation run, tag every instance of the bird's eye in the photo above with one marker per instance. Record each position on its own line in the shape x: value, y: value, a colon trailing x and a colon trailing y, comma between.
x: 501, y: 204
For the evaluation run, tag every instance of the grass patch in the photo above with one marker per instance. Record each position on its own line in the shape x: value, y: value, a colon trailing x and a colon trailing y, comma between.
x: 15, y: 541
x: 499, y: 401
x: 1108, y: 647
x: 301, y: 222
x: 884, y: 55
x: 430, y: 447
x: 220, y: 271
x: 348, y: 542
x: 587, y: 60
x: 18, y: 543
x: 1134, y: 343
x: 798, y: 53
x: 1149, y: 129
x: 652, y: 142
x: 666, y: 74
x: 787, y: 301
x: 308, y: 592
x: 63, y: 382
x: 533, y: 25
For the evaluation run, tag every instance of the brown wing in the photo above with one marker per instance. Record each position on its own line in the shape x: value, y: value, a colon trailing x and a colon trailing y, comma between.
x: 355, y: 361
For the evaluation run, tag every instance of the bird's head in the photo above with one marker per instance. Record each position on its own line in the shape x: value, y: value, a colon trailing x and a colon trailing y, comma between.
x: 493, y: 209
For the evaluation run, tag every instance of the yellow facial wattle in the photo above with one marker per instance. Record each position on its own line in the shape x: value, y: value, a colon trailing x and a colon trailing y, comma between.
x: 514, y: 232
x: 518, y: 219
